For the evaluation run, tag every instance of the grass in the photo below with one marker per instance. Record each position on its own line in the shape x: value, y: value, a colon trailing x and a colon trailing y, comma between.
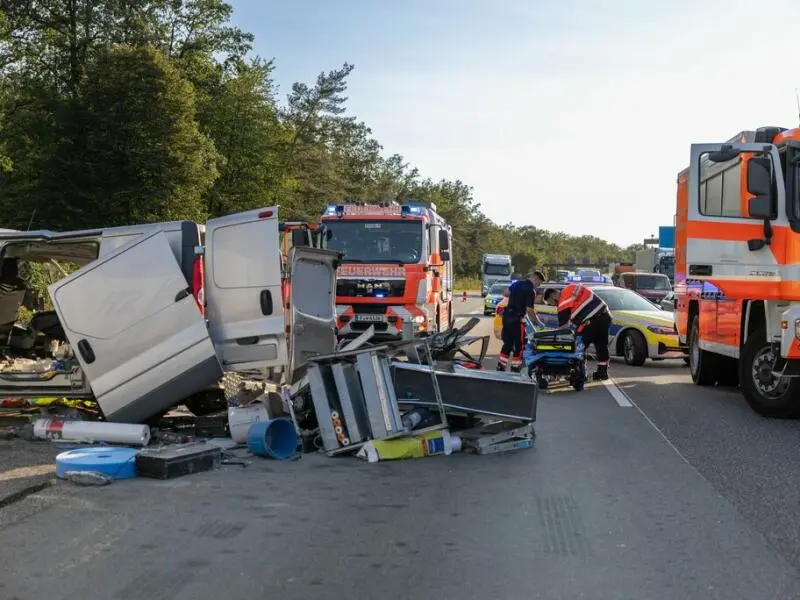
x: 469, y: 284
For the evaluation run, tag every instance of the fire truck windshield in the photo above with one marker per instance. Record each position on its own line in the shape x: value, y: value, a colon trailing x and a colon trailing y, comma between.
x: 376, y: 241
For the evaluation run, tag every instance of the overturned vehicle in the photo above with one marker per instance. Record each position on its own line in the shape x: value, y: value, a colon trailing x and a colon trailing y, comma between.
x: 154, y: 316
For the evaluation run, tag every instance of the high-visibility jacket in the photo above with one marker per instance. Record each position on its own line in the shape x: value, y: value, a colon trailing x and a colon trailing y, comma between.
x: 578, y: 304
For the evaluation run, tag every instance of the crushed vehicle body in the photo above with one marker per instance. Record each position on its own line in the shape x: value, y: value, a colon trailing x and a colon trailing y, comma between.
x: 133, y: 328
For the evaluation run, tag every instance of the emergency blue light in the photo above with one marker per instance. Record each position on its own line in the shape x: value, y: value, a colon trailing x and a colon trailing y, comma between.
x: 410, y: 209
x: 330, y: 209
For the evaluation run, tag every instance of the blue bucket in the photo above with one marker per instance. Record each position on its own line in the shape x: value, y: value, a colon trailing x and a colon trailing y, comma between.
x: 276, y: 438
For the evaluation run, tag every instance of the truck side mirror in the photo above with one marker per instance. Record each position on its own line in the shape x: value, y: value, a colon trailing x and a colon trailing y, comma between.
x: 759, y: 176
x: 760, y: 207
x: 444, y: 240
x: 299, y: 237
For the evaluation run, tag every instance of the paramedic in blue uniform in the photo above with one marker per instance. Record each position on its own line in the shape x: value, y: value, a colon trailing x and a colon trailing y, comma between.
x: 589, y: 314
x: 521, y: 295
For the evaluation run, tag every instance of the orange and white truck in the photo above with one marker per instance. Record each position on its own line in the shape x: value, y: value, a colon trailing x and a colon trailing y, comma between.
x: 396, y: 271
x: 737, y: 266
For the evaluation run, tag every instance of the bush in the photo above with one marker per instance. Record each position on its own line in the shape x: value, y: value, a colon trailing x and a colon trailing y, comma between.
x: 468, y: 284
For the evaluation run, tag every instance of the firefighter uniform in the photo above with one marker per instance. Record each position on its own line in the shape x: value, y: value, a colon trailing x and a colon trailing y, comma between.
x: 521, y: 296
x: 590, y: 316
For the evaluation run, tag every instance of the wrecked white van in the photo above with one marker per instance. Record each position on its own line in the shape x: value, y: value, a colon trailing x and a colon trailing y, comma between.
x: 128, y: 328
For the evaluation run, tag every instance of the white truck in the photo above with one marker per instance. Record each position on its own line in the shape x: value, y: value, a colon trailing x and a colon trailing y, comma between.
x: 646, y: 260
x: 495, y: 268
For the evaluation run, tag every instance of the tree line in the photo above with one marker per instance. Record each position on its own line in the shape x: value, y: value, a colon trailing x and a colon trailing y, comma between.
x: 129, y: 111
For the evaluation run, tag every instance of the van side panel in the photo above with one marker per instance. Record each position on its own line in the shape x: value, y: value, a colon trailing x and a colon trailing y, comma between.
x: 137, y: 332
x: 183, y: 237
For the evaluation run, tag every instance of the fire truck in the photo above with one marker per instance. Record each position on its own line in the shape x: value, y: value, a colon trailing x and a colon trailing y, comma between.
x: 396, y: 271
x: 737, y: 266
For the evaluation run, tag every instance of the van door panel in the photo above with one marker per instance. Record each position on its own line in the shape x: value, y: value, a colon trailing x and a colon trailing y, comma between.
x: 183, y: 237
x: 140, y: 339
x: 312, y: 306
x: 243, y: 290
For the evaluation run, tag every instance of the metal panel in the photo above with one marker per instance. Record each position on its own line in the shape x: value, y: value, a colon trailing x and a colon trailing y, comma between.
x: 351, y: 401
x: 379, y: 398
x: 313, y: 306
x: 503, y: 395
x: 322, y: 407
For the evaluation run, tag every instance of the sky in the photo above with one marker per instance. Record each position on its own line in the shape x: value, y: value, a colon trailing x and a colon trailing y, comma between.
x: 571, y: 116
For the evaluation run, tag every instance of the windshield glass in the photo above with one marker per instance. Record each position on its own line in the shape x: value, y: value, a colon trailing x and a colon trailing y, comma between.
x: 490, y: 269
x: 652, y: 282
x: 499, y: 288
x: 377, y: 241
x: 621, y: 299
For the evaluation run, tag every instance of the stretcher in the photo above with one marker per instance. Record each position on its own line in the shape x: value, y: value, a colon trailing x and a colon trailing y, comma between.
x: 551, y: 354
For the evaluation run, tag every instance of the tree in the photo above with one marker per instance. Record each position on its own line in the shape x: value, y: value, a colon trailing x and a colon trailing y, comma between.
x: 242, y: 120
x: 132, y: 164
x: 123, y: 111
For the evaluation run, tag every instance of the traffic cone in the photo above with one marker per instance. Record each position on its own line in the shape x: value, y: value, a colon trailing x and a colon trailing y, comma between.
x: 464, y: 297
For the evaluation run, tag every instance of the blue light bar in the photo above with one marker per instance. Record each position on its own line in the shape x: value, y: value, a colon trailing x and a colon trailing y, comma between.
x: 411, y: 209
x: 590, y: 279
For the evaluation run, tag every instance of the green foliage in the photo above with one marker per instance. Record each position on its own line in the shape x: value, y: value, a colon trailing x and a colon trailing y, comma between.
x: 466, y: 284
x: 115, y: 112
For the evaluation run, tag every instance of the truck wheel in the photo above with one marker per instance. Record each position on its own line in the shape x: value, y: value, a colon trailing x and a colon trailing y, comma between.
x: 634, y: 348
x: 701, y: 362
x: 768, y: 395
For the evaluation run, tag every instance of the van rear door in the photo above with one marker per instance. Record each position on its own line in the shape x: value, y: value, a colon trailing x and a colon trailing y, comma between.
x: 312, y: 306
x: 136, y: 330
x: 243, y: 290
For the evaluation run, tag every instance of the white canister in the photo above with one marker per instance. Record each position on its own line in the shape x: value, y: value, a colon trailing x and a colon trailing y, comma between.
x: 240, y: 418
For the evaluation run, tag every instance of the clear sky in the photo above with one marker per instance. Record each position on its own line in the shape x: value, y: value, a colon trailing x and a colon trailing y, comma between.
x: 573, y: 115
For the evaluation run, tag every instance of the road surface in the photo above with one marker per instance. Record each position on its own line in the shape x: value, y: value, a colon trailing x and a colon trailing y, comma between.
x: 657, y: 491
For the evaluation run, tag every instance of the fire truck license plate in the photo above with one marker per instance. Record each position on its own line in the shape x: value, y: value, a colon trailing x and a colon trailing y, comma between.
x: 371, y: 318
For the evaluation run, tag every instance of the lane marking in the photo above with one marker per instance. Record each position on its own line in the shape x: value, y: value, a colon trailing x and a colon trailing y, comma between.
x: 617, y: 393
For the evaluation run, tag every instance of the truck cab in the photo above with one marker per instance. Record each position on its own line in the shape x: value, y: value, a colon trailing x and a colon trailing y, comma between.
x: 495, y: 268
x: 737, y: 283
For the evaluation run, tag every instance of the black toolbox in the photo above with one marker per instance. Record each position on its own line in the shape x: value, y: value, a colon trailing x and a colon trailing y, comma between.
x: 177, y: 460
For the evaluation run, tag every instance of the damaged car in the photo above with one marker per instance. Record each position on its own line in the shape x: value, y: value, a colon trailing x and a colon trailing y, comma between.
x: 150, y: 318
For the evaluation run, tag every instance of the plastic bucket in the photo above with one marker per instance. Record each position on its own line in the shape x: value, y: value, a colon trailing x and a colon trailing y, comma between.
x: 276, y: 438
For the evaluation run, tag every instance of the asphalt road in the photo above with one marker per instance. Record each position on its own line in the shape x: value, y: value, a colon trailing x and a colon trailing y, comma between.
x: 660, y: 491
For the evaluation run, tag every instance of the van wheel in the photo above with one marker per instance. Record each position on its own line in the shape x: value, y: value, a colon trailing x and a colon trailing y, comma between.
x: 634, y: 349
x: 768, y: 395
x: 701, y: 362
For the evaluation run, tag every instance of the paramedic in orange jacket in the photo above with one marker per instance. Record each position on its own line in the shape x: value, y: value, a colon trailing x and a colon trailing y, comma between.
x: 589, y: 314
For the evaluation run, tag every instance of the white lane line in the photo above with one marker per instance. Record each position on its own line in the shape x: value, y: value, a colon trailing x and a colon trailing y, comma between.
x: 617, y: 393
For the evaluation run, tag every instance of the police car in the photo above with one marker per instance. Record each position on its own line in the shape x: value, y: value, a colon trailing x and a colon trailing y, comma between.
x: 494, y: 296
x: 639, y: 330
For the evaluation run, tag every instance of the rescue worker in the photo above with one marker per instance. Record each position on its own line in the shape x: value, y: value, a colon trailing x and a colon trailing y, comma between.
x: 589, y: 314
x: 521, y: 295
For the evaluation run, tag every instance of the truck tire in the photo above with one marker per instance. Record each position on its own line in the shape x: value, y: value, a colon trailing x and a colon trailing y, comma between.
x: 702, y: 364
x: 634, y: 348
x: 768, y: 396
